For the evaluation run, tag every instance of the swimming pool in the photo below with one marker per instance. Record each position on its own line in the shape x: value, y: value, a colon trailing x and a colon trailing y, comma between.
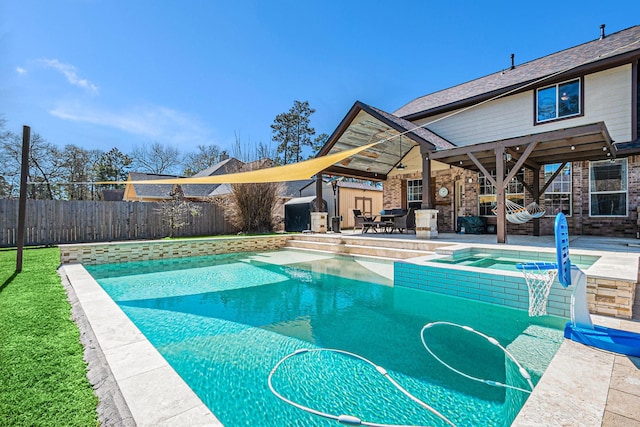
x: 223, y: 322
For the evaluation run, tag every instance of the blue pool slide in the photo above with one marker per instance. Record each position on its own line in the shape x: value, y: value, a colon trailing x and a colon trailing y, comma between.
x: 580, y: 328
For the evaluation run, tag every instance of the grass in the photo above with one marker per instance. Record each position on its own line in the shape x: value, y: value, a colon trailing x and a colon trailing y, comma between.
x: 42, y: 372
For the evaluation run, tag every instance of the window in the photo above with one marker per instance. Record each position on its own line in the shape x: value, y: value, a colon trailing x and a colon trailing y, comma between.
x: 414, y: 190
x: 608, y: 188
x: 487, y: 194
x: 557, y: 197
x: 558, y: 101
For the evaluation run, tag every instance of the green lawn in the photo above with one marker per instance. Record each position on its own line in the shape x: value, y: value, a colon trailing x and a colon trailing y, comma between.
x: 42, y: 374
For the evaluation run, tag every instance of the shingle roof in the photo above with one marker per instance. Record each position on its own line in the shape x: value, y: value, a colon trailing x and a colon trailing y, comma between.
x: 158, y: 191
x: 609, y: 48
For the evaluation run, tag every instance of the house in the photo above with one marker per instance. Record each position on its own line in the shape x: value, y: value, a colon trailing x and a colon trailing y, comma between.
x: 560, y: 131
x: 194, y: 192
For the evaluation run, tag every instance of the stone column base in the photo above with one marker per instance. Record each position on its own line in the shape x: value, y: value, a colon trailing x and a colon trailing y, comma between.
x: 426, y: 224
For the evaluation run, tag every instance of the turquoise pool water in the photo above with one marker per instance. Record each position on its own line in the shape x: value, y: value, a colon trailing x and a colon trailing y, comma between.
x: 223, y: 322
x: 505, y: 261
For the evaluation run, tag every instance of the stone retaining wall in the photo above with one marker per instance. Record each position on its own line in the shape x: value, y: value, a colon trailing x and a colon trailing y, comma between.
x: 107, y: 253
x: 611, y: 297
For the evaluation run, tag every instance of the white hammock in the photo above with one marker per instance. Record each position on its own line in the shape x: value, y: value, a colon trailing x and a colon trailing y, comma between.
x: 518, y: 214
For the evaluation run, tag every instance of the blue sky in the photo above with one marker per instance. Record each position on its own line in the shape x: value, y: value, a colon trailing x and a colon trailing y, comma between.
x: 115, y: 73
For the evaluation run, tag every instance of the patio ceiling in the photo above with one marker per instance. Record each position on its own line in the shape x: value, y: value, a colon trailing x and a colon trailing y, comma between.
x: 364, y: 125
x: 580, y: 143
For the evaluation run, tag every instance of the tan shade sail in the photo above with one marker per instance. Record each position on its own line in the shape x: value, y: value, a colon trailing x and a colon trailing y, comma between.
x: 292, y: 172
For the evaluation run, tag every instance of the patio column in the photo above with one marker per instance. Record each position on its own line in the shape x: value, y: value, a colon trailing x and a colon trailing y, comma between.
x: 536, y: 198
x: 426, y: 178
x: 500, y: 196
x: 318, y: 204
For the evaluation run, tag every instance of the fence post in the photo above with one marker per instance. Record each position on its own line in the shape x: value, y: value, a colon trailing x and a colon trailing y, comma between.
x: 22, y: 206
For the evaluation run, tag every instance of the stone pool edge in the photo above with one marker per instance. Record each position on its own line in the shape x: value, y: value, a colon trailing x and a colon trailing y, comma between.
x: 154, y: 394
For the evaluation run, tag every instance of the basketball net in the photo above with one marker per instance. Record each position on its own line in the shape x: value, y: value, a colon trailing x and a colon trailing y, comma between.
x: 539, y: 283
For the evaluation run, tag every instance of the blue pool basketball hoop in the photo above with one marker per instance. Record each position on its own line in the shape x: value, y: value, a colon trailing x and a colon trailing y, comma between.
x: 581, y: 329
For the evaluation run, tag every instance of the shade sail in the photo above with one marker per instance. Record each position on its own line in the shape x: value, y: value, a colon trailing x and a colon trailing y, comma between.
x: 292, y: 172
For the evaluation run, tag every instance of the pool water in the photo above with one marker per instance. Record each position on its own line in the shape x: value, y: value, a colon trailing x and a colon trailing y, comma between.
x: 223, y: 322
x: 508, y: 263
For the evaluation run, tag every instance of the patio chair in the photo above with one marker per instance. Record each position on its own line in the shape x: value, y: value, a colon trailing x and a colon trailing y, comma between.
x: 361, y: 221
x: 402, y: 223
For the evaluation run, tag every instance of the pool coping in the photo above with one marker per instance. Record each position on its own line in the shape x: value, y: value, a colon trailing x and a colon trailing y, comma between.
x: 155, y: 395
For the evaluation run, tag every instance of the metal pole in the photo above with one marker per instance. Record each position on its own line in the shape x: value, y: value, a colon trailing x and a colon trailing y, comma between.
x: 22, y: 204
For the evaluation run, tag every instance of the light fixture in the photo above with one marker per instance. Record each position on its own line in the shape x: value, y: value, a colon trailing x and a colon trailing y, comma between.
x: 564, y: 96
x: 460, y: 161
x: 400, y: 165
x: 470, y: 180
x: 573, y: 147
x: 604, y: 148
x: 518, y: 148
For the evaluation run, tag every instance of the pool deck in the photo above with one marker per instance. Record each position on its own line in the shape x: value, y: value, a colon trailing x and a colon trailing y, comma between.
x: 582, y: 386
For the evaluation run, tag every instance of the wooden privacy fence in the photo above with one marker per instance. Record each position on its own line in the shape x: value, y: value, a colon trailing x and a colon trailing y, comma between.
x: 50, y: 222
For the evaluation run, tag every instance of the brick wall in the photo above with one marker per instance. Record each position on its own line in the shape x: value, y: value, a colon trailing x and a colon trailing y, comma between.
x: 580, y: 223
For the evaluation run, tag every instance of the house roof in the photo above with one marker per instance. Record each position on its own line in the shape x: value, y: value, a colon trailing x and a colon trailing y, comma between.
x: 613, y: 48
x: 151, y: 191
x: 163, y: 191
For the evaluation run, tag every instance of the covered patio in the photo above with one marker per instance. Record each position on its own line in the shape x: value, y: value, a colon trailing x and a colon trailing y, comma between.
x: 397, y: 137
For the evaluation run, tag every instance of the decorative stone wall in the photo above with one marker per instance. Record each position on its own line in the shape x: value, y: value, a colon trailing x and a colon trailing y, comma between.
x: 107, y: 253
x: 611, y: 297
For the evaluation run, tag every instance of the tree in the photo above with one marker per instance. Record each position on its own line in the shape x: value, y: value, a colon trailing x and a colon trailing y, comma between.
x: 292, y: 132
x: 155, y: 158
x: 112, y: 166
x: 318, y: 143
x: 246, y: 152
x: 177, y: 211
x: 205, y: 157
x: 44, y: 166
x: 76, y: 170
x: 251, y: 207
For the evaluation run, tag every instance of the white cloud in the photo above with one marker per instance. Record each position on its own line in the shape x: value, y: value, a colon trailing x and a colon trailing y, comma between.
x: 21, y: 70
x: 154, y: 122
x: 70, y: 72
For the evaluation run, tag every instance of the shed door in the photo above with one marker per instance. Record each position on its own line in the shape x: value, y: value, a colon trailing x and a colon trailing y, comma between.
x: 365, y: 204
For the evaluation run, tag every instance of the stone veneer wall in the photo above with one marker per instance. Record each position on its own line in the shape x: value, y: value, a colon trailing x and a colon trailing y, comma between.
x: 106, y: 253
x: 611, y: 297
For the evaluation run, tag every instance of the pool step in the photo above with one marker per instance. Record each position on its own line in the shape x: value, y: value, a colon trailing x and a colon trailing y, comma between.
x: 362, y: 246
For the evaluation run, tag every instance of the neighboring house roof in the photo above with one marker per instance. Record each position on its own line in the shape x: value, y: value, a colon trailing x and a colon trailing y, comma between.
x: 151, y: 191
x: 288, y: 188
x: 163, y: 191
x: 608, y: 50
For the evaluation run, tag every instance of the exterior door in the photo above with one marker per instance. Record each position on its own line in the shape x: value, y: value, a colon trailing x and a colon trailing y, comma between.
x: 365, y: 204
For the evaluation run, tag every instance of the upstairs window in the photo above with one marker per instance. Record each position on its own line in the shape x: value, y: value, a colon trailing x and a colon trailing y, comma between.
x: 558, y: 101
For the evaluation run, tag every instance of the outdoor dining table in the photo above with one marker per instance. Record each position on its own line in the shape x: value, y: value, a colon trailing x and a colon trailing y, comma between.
x: 385, y: 223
